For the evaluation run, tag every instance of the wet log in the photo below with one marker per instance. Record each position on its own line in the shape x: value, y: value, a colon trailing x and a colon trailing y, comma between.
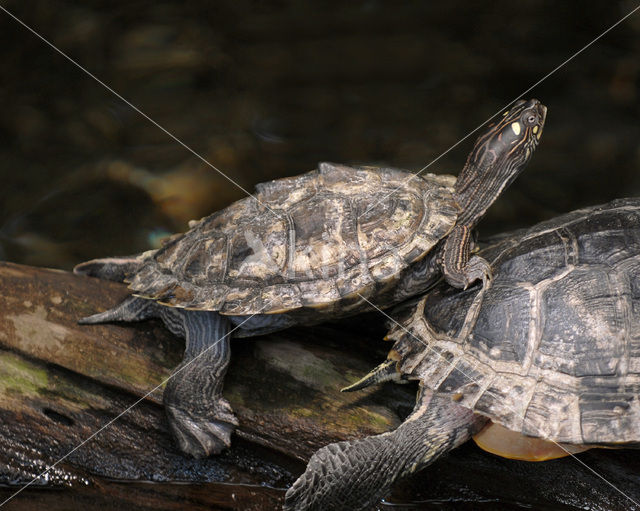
x: 60, y: 383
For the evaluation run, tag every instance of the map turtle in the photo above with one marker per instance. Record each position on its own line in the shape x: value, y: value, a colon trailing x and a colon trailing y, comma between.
x: 305, y: 249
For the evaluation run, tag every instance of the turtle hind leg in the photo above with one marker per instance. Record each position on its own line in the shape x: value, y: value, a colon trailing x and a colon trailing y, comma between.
x: 132, y: 308
x: 200, y: 419
x: 110, y: 268
x: 356, y: 474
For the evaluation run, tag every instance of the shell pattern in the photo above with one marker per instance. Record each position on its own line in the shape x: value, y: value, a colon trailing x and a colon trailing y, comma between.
x: 310, y: 241
x: 552, y: 347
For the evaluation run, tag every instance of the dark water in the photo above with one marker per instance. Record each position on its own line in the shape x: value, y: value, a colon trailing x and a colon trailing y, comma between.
x: 115, y: 496
x: 264, y: 89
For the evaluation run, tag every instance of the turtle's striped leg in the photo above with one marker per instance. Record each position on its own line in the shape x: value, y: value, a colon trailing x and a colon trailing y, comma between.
x: 356, y: 474
x: 199, y: 417
x: 460, y: 269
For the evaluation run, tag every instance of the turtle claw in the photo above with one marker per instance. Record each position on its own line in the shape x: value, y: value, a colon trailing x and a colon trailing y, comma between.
x: 387, y: 371
x: 298, y: 495
x: 131, y: 309
x: 202, y: 436
x: 477, y: 269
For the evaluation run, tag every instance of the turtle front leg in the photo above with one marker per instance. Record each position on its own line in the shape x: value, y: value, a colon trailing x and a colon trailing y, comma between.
x: 459, y: 267
x: 356, y: 474
x: 199, y: 417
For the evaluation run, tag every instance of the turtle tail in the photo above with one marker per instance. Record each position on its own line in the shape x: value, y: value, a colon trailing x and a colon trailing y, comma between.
x: 132, y: 308
x: 117, y: 269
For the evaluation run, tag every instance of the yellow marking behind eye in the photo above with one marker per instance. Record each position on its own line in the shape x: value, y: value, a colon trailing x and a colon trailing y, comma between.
x: 515, y: 126
x: 535, y: 129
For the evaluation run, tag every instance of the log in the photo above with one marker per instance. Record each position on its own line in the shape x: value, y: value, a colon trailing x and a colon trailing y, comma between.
x: 60, y: 383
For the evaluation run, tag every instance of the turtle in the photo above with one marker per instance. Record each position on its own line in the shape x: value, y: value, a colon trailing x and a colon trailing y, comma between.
x: 542, y: 362
x: 305, y: 249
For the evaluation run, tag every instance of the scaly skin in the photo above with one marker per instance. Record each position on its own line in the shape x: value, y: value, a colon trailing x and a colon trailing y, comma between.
x: 354, y: 475
x: 200, y: 419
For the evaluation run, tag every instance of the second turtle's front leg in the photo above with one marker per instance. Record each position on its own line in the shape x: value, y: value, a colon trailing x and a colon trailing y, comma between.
x: 354, y: 475
x: 459, y: 267
x: 199, y: 417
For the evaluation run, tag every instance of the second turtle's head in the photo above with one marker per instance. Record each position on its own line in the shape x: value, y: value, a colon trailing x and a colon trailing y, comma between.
x: 510, y: 142
x: 498, y: 157
x: 519, y: 129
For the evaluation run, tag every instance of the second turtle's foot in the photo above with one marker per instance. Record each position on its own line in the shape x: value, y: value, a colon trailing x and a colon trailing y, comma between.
x: 202, y: 434
x: 477, y: 268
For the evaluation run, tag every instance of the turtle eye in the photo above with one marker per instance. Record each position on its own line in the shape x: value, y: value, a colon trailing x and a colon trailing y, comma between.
x: 530, y: 119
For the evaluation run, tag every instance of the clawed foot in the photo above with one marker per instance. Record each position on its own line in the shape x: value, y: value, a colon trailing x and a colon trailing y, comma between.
x: 477, y: 268
x: 297, y: 496
x: 324, y: 486
x: 351, y: 475
x: 200, y: 419
x: 202, y: 433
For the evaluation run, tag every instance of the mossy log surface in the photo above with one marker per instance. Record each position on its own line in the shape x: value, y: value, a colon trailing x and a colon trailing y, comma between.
x: 60, y: 383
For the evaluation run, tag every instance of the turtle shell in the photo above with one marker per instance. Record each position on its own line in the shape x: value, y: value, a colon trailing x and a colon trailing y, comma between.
x: 551, y: 348
x: 314, y: 240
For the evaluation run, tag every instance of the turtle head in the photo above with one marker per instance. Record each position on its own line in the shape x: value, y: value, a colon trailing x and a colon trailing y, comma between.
x: 498, y: 157
x: 513, y: 139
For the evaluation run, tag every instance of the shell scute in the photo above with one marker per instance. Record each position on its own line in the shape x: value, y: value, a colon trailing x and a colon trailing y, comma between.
x: 381, y: 224
x: 386, y: 268
x: 612, y: 417
x: 207, y: 257
x: 325, y: 237
x: 257, y: 253
x: 321, y: 294
x: 289, y: 189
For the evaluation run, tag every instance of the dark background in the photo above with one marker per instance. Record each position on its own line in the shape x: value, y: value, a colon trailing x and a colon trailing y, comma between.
x: 265, y: 89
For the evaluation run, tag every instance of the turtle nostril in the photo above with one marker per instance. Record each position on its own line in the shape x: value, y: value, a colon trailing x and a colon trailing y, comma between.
x: 532, y: 103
